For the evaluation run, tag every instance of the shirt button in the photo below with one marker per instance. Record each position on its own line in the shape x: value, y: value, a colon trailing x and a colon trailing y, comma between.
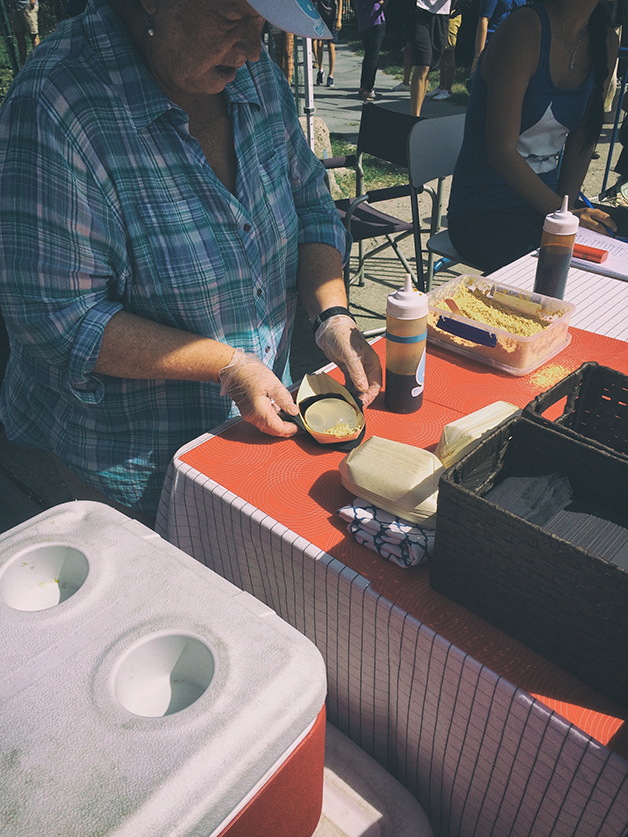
x: 267, y: 349
x: 259, y: 291
x: 247, y: 228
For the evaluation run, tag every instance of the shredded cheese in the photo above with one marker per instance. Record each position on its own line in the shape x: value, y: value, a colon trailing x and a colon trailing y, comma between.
x: 476, y: 305
x: 341, y: 429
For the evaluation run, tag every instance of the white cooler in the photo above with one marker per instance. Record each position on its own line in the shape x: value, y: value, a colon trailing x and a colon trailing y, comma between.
x: 142, y: 694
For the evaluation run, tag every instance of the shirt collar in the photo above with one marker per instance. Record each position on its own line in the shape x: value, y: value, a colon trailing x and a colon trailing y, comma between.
x: 145, y: 100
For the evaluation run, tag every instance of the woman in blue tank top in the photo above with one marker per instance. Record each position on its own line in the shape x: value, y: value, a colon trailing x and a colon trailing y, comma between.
x: 539, y: 89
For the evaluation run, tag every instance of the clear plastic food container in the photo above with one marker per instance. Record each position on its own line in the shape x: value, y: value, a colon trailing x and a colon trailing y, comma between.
x: 512, y: 353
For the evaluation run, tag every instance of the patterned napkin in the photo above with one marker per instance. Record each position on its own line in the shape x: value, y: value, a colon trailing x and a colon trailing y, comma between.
x: 405, y: 544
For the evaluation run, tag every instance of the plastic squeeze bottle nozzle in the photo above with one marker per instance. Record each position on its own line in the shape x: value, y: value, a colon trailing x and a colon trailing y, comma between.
x: 557, y: 241
x: 406, y: 332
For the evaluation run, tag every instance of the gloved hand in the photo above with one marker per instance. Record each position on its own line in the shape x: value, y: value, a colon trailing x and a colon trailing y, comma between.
x: 341, y: 340
x: 258, y: 394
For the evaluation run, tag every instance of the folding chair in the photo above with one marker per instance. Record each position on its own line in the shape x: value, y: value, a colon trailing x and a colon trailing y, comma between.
x: 384, y: 134
x: 623, y: 56
x: 433, y: 148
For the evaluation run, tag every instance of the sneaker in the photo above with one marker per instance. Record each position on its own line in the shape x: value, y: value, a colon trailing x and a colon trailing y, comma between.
x: 330, y: 81
x: 442, y: 96
x: 615, y: 195
x: 320, y: 77
x: 434, y: 93
x: 368, y: 95
x: 401, y: 87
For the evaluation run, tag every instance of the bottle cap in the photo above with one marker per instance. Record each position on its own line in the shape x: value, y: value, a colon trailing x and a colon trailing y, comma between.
x: 407, y: 303
x: 561, y: 222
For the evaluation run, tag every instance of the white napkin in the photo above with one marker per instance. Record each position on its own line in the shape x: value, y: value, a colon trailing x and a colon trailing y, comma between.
x: 405, y: 544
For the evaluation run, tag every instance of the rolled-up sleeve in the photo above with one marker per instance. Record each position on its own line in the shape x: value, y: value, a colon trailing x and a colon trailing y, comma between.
x: 63, y: 266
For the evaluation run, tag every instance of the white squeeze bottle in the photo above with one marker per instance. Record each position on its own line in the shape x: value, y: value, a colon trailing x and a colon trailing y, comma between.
x: 406, y: 332
x: 557, y: 241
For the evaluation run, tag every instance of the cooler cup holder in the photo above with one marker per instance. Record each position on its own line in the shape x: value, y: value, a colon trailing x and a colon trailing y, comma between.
x: 43, y: 576
x: 163, y: 674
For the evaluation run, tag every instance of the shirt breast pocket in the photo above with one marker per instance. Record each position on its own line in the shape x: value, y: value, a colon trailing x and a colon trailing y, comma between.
x: 278, y: 204
x: 180, y: 243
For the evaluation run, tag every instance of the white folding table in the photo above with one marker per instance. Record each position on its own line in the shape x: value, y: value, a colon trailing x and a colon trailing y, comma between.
x: 601, y: 301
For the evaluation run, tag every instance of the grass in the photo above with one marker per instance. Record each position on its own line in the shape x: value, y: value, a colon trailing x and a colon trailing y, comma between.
x: 378, y: 174
x: 6, y: 73
x: 50, y: 13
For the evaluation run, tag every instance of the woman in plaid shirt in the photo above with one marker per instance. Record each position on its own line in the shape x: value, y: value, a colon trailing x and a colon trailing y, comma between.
x: 160, y: 210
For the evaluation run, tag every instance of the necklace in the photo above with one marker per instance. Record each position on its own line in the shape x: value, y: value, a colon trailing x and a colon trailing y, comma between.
x: 573, y: 54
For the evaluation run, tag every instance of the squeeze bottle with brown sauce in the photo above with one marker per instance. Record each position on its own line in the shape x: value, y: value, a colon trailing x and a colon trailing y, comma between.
x: 406, y: 333
x: 557, y: 241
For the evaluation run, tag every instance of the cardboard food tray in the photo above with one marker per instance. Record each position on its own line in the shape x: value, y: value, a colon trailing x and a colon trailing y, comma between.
x: 514, y: 354
x: 559, y: 599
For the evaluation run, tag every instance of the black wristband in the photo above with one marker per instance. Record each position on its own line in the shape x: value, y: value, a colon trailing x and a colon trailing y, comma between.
x: 330, y: 312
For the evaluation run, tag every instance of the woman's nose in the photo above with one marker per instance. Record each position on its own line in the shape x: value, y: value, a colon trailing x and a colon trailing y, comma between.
x: 251, y: 37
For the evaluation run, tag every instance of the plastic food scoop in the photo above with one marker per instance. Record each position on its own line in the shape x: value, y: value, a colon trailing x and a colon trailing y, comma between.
x: 453, y: 306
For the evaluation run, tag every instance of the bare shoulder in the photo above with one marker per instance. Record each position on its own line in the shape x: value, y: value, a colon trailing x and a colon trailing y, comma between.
x: 516, y: 45
x: 523, y: 23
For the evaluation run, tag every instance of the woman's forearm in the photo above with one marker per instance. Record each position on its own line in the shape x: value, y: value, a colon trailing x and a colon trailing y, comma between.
x: 320, y: 278
x: 517, y: 174
x: 573, y: 169
x: 137, y: 348
x: 480, y: 37
x: 133, y: 347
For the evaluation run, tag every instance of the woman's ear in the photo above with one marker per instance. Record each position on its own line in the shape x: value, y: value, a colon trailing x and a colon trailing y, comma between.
x: 126, y: 8
x: 151, y: 7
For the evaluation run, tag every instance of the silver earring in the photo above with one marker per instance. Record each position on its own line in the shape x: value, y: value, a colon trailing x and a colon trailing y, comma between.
x: 150, y: 32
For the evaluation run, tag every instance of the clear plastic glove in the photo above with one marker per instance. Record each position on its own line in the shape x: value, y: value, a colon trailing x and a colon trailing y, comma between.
x: 341, y: 340
x: 258, y: 394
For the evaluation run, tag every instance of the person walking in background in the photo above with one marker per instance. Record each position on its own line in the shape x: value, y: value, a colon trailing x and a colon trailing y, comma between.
x: 398, y: 21
x: 372, y: 28
x: 448, y: 61
x: 23, y: 16
x: 427, y: 37
x: 492, y: 13
x: 331, y: 12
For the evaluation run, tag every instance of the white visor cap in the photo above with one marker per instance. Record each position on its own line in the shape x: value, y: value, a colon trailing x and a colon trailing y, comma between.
x: 296, y: 16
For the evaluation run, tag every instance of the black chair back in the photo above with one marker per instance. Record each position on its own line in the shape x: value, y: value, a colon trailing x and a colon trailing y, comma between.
x: 384, y: 133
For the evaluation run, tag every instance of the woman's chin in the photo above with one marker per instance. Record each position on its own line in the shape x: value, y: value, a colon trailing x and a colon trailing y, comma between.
x: 224, y: 73
x: 209, y: 83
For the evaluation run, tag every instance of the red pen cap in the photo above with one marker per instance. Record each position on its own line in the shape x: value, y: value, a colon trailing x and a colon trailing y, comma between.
x: 589, y: 254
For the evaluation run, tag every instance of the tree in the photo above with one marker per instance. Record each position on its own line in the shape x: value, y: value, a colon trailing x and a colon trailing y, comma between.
x: 51, y: 12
